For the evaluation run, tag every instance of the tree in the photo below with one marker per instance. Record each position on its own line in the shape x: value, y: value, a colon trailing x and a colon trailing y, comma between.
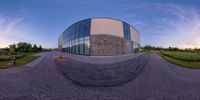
x: 6, y: 49
x: 40, y: 48
x: 35, y: 48
x: 24, y: 47
x: 147, y: 47
x: 28, y: 47
x: 12, y: 49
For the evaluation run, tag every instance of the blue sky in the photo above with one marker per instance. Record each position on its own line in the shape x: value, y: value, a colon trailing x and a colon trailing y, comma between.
x: 160, y: 22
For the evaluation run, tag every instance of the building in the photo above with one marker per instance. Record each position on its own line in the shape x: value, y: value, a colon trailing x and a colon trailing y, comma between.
x: 100, y: 37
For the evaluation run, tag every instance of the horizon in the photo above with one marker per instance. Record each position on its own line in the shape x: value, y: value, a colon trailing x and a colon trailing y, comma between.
x: 140, y: 46
x: 170, y: 23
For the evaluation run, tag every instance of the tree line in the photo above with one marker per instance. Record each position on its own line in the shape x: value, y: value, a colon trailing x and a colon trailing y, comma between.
x: 22, y: 47
x: 149, y: 47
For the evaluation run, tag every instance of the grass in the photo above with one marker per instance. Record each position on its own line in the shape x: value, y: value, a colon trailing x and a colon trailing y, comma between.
x: 18, y: 56
x: 184, y: 59
x: 185, y: 56
x: 150, y: 51
x: 5, y: 58
x: 186, y: 64
x: 5, y: 64
x: 20, y: 61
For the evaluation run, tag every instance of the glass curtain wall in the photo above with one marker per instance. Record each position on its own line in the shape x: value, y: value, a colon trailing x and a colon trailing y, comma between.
x: 127, y: 32
x: 135, y: 47
x: 127, y: 35
x: 76, y: 39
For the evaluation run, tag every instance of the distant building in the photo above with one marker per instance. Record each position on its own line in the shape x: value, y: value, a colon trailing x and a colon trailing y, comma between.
x: 100, y: 37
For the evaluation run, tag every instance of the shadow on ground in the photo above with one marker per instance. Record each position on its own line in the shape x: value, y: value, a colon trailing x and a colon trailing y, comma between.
x: 112, y: 74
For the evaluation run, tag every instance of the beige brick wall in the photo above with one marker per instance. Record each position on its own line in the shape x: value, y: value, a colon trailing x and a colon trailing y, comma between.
x: 106, y: 26
x: 134, y: 35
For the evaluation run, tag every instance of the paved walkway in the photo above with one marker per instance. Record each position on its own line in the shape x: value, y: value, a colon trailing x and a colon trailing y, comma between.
x: 102, y: 59
x: 39, y: 60
x: 86, y: 72
x: 160, y: 80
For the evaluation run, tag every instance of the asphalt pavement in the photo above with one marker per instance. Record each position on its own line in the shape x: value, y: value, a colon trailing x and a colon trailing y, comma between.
x: 159, y: 80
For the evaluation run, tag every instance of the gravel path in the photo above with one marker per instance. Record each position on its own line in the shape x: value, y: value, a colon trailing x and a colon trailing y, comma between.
x: 160, y: 80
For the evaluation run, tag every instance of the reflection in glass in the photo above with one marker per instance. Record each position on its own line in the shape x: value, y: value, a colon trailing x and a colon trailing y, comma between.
x: 75, y: 39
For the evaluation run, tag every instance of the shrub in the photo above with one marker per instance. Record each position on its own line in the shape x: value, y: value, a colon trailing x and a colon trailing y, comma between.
x: 6, y: 58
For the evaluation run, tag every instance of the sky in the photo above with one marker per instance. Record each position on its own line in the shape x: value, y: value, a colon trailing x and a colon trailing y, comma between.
x: 163, y: 23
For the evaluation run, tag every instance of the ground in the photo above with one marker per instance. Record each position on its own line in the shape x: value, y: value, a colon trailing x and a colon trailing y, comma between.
x: 41, y: 80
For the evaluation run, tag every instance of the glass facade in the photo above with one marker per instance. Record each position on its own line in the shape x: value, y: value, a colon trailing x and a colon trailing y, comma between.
x: 135, y: 47
x: 127, y: 31
x: 127, y: 35
x: 77, y: 38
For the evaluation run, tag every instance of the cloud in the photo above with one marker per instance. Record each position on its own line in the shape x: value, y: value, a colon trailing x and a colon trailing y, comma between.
x: 188, y: 26
x: 9, y: 25
x: 164, y: 24
x: 9, y: 31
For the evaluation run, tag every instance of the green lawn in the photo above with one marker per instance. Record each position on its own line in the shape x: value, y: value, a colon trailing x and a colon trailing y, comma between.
x: 20, y: 61
x: 5, y: 64
x: 185, y: 56
x: 18, y: 56
x: 187, y: 60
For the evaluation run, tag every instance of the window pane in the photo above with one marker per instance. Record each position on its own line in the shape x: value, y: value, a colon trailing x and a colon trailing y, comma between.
x: 127, y: 33
x: 87, y: 38
x: 76, y: 47
x: 87, y: 47
x: 76, y: 38
x: 81, y: 47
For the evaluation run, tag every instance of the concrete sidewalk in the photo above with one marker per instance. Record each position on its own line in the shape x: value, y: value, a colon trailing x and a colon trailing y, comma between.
x: 101, y: 59
x: 37, y: 61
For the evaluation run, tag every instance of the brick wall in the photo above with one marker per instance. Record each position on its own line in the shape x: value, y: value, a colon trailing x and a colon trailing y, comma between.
x: 108, y: 45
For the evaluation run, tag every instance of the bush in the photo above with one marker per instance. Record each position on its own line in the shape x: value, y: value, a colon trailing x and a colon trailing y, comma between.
x: 6, y: 58
x: 20, y: 56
